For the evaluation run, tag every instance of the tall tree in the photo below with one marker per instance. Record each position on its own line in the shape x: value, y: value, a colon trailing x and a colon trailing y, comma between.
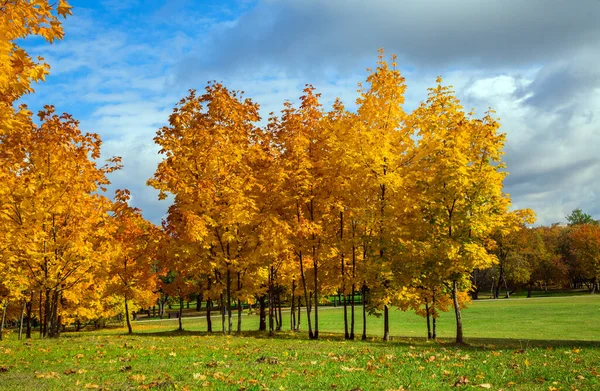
x: 207, y: 147
x: 386, y: 147
x: 131, y: 273
x: 460, y: 188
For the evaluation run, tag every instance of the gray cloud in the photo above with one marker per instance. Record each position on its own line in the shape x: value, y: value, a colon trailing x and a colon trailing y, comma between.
x: 303, y: 35
x: 533, y: 61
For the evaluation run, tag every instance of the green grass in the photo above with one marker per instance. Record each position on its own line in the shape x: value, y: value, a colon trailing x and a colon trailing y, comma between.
x: 518, y: 344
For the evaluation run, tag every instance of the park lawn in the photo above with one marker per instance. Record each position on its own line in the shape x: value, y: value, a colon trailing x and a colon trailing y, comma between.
x: 517, y: 344
x: 528, y: 320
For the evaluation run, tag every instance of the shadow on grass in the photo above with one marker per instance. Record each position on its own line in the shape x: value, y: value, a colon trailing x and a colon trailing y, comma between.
x: 471, y: 343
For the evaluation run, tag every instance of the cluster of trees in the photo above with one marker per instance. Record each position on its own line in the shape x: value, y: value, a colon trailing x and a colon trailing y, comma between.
x: 402, y: 209
x: 401, y: 205
x: 556, y: 256
x: 68, y: 254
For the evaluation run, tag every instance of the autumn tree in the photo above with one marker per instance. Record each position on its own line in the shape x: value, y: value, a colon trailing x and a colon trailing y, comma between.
x: 508, y: 246
x: 206, y: 148
x: 302, y: 139
x: 18, y: 71
x: 460, y: 187
x: 131, y: 271
x: 55, y: 212
x: 585, y: 244
x: 386, y: 148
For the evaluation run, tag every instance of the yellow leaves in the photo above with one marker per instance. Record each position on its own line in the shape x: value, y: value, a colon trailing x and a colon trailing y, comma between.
x: 138, y: 378
x: 63, y: 8
x: 47, y: 375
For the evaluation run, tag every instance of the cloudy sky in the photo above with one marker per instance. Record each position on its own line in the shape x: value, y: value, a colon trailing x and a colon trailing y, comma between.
x: 125, y: 63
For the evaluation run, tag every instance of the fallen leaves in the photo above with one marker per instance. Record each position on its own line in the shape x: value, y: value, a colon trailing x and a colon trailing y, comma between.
x: 47, y: 375
x: 463, y: 380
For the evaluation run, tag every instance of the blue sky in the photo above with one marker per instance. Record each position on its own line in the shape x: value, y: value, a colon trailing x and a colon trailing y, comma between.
x: 125, y: 63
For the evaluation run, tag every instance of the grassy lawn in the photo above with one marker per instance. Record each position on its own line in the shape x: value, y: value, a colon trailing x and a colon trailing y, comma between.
x: 518, y: 344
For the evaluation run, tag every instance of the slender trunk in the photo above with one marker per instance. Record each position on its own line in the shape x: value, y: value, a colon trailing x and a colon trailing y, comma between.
x: 428, y: 319
x: 346, y: 332
x: 179, y: 316
x: 46, y: 311
x: 21, y: 321
x: 433, y: 315
x: 239, y: 319
x: 129, y: 329
x: 262, y: 325
x: 506, y: 287
x: 353, y: 284
x: 459, y: 326
x: 386, y: 322
x: 293, y: 308
x: 223, y: 310
x: 343, y: 271
x: 29, y: 307
x: 271, y: 304
x: 208, y: 319
x: 315, y: 265
x: 280, y: 322
x: 352, y: 313
x: 298, y: 323
x: 529, y: 288
x: 364, y: 312
x: 229, y: 324
x: 199, y: 302
x: 41, y: 314
x: 4, y: 307
x: 306, y: 298
x: 239, y: 302
x: 500, y: 280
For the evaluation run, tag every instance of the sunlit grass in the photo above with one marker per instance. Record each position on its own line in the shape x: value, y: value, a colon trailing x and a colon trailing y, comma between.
x: 542, y: 344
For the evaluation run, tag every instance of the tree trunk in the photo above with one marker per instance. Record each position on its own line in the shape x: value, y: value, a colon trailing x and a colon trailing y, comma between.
x: 386, y: 322
x: 239, y: 319
x: 179, y: 316
x: 352, y: 314
x: 21, y: 321
x: 293, y: 307
x: 4, y: 307
x: 29, y: 307
x: 506, y: 287
x: 129, y: 329
x: 529, y: 289
x: 316, y: 268
x: 428, y: 319
x: 364, y: 312
x: 199, y: 302
x: 298, y: 323
x: 271, y: 303
x: 223, y: 310
x: 346, y: 332
x: 306, y: 298
x: 208, y: 318
x: 433, y: 315
x: 500, y: 281
x: 41, y: 314
x: 262, y: 311
x: 239, y: 304
x: 280, y: 322
x: 229, y: 324
x: 459, y: 326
